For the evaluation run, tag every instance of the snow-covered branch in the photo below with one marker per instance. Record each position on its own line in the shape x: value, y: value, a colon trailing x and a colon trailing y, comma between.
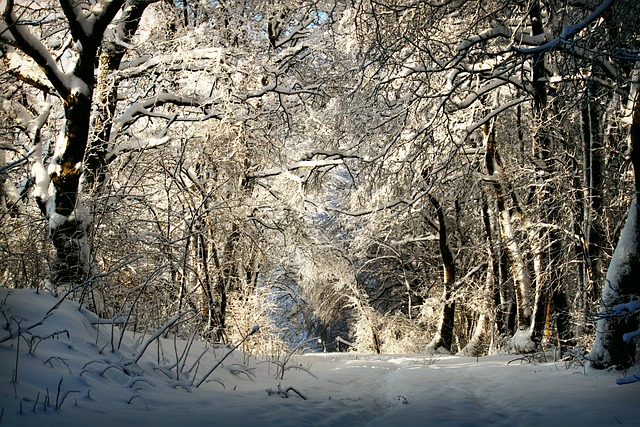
x: 304, y: 164
x: 148, y: 63
x: 145, y: 108
x: 361, y: 212
x: 568, y: 31
x: 296, y: 32
x: 500, y: 31
x: 471, y: 128
x: 282, y: 90
x: 77, y: 18
x: 34, y: 48
x: 487, y: 88
x: 102, y: 14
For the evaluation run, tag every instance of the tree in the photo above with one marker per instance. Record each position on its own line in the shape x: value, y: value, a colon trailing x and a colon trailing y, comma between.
x: 69, y: 75
x: 140, y: 100
x: 518, y: 72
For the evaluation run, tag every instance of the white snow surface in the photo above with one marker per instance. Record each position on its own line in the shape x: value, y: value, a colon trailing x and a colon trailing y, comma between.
x: 68, y: 375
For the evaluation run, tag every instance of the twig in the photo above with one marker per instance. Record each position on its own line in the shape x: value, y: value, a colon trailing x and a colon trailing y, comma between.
x: 255, y: 329
x: 285, y: 392
x: 60, y: 359
x: 86, y: 282
x: 160, y: 331
x: 296, y: 348
x: 135, y: 302
x: 36, y: 402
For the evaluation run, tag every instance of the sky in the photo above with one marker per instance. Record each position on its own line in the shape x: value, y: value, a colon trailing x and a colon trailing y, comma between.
x: 65, y: 370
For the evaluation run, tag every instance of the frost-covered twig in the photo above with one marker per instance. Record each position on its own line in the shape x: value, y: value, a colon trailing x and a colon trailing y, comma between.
x: 49, y: 361
x: 300, y: 367
x: 288, y: 356
x: 135, y: 301
x: 92, y: 279
x: 160, y: 331
x: 197, y: 361
x: 255, y: 329
x: 240, y: 369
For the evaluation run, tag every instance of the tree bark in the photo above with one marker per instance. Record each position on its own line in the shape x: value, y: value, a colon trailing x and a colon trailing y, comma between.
x: 59, y: 199
x: 546, y: 241
x: 444, y: 334
x: 518, y: 267
x: 106, y: 92
x: 621, y: 283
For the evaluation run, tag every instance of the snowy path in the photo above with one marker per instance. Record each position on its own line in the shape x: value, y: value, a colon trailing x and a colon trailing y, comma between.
x: 71, y: 379
x: 388, y: 390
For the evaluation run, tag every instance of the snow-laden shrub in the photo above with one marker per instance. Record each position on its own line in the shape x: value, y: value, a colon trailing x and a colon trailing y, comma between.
x: 387, y: 334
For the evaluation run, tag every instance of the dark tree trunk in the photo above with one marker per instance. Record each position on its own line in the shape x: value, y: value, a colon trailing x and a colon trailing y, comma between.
x: 444, y: 334
x: 67, y: 221
x: 592, y: 176
x: 109, y: 61
x: 68, y: 227
x: 548, y: 245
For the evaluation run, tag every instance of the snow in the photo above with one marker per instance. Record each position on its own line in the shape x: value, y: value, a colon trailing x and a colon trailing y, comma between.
x: 71, y: 370
x: 624, y: 255
x: 521, y: 340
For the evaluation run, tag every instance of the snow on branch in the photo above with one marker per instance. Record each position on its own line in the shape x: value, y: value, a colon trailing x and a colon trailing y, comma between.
x: 146, y: 64
x: 77, y: 18
x: 88, y: 23
x: 403, y: 242
x: 295, y: 33
x: 295, y: 89
x: 486, y: 88
x: 362, y: 212
x: 568, y: 31
x: 492, y: 33
x: 146, y: 106
x: 103, y: 13
x: 136, y: 145
x: 34, y: 48
x: 304, y: 164
x: 483, y: 265
x: 471, y: 128
x: 161, y: 331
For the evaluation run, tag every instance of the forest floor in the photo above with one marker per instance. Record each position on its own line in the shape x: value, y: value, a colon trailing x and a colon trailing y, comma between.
x: 64, y: 370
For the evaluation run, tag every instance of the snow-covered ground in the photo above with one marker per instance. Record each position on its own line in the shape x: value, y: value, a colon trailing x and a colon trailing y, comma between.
x: 66, y: 371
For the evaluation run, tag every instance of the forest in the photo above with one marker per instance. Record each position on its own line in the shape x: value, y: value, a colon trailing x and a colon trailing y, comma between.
x: 386, y: 176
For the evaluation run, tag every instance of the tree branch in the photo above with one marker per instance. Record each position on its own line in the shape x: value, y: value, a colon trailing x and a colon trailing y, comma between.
x: 568, y: 31
x: 34, y: 48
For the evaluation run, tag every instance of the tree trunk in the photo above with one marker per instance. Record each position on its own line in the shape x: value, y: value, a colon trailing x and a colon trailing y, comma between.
x: 58, y: 187
x: 592, y: 176
x: 546, y: 241
x: 479, y: 343
x: 106, y: 97
x: 621, y: 283
x: 67, y: 217
x: 518, y: 267
x: 444, y: 334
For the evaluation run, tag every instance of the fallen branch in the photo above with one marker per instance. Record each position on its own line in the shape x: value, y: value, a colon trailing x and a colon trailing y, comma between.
x: 285, y: 392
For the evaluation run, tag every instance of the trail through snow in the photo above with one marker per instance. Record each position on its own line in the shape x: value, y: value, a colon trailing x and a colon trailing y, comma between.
x: 70, y: 372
